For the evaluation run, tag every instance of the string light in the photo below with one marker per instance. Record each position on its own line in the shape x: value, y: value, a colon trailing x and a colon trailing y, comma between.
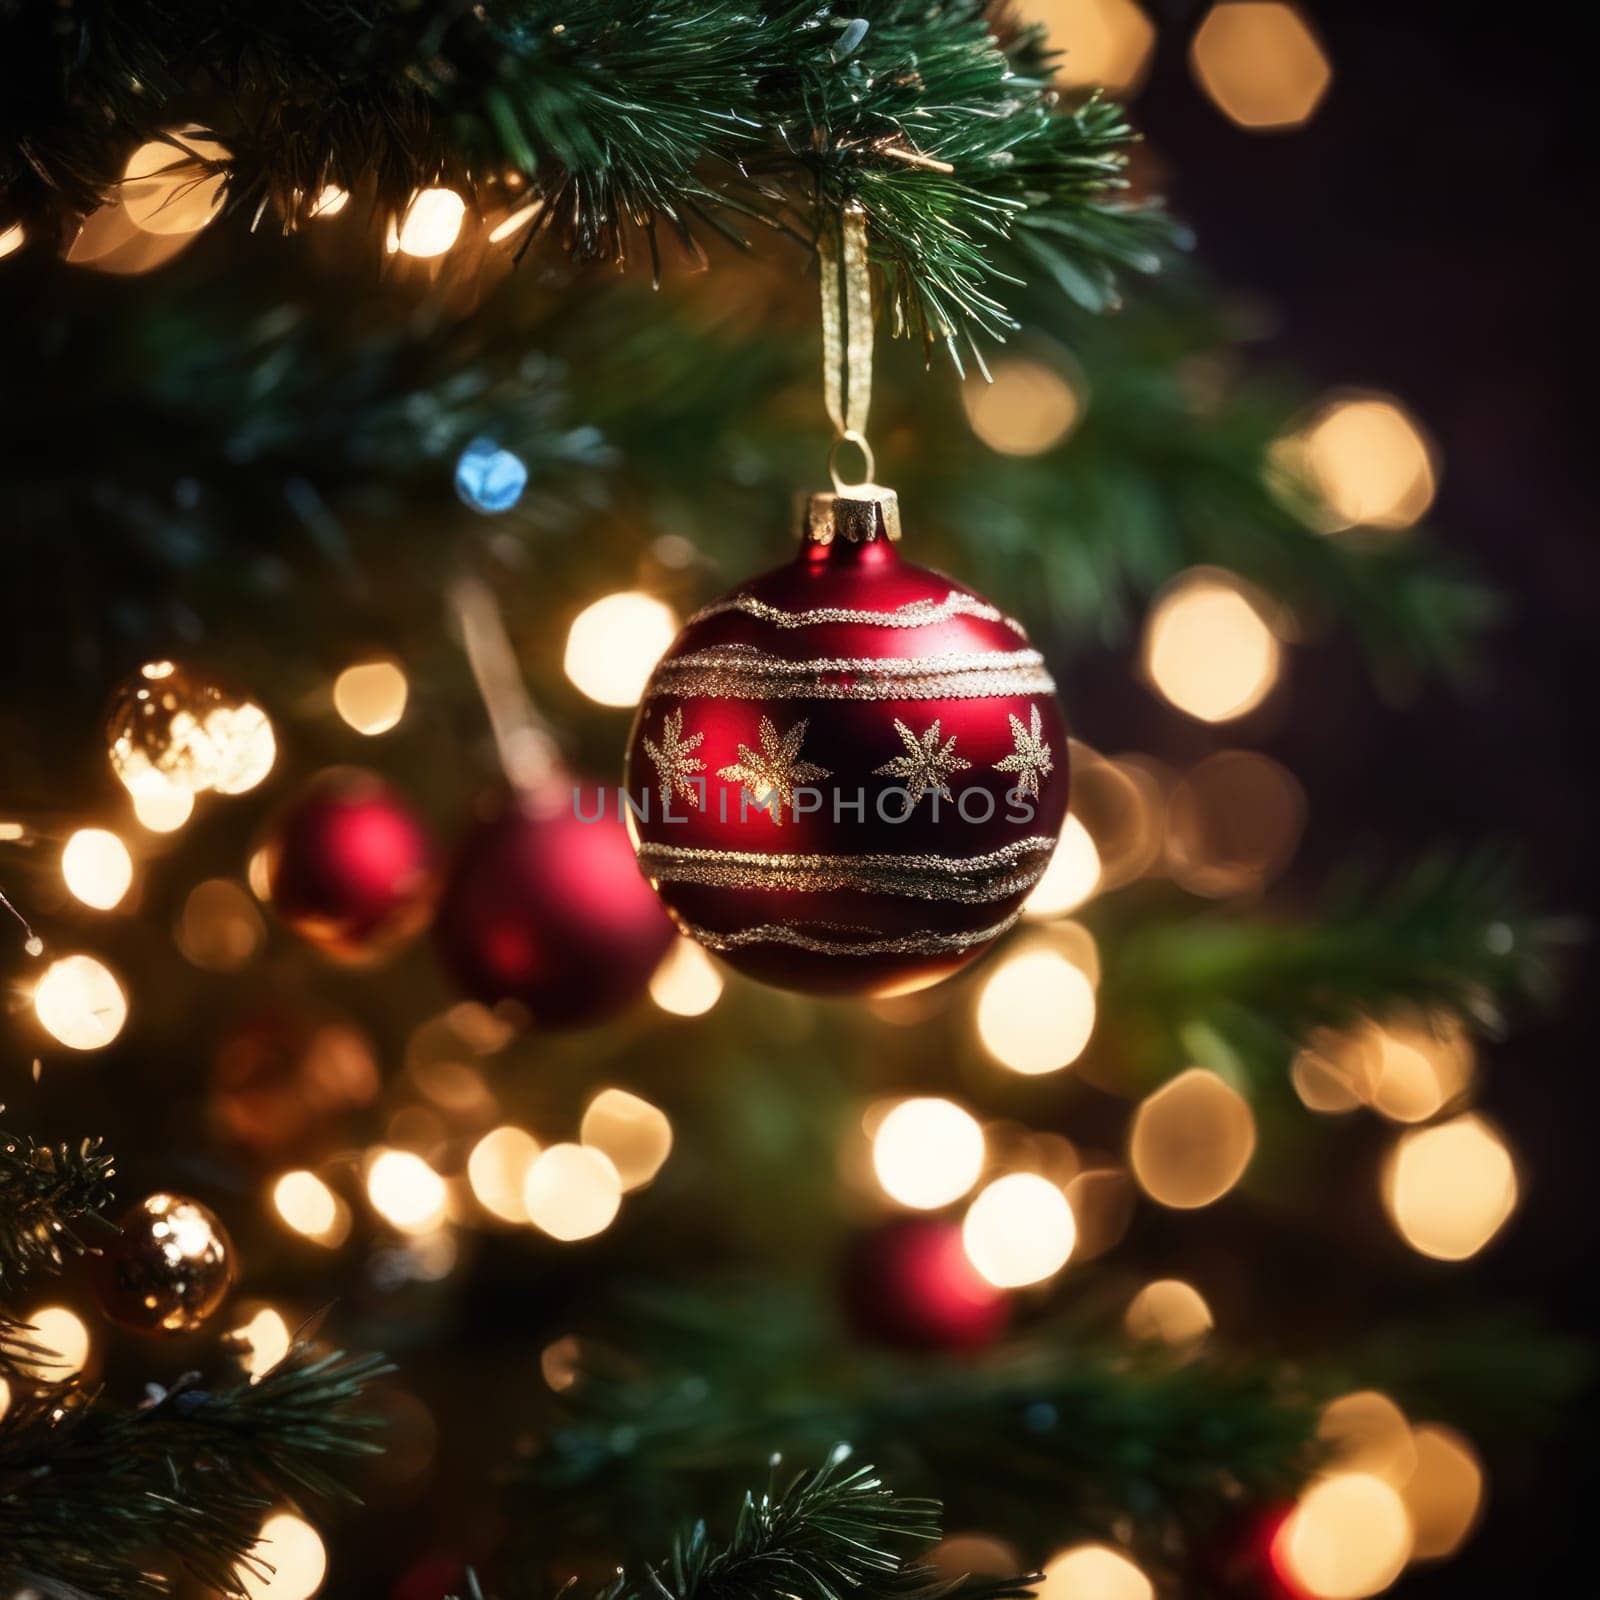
x: 614, y: 644
x: 1019, y: 1230
x: 79, y: 1002
x: 61, y: 1342
x: 1444, y: 1494
x: 1207, y: 648
x: 263, y: 1341
x: 497, y: 1170
x: 96, y: 867
x: 406, y: 1191
x: 288, y: 1561
x: 1094, y: 1572
x: 1449, y: 1188
x: 1191, y: 1140
x: 308, y: 1206
x: 1348, y: 1537
x: 330, y: 202
x: 12, y: 240
x: 635, y: 1135
x: 1036, y: 1012
x: 687, y: 983
x: 513, y: 224
x: 166, y: 187
x: 371, y: 696
x: 1260, y: 63
x: 162, y: 807
x: 1168, y: 1311
x: 927, y: 1152
x: 1072, y: 876
x: 572, y: 1192
x: 431, y: 224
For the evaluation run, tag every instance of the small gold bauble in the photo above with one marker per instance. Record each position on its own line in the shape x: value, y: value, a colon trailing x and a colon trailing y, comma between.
x: 170, y: 1268
x: 168, y: 727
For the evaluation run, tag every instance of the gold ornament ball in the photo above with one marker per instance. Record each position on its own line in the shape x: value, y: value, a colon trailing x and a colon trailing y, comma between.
x: 170, y: 727
x: 169, y: 1270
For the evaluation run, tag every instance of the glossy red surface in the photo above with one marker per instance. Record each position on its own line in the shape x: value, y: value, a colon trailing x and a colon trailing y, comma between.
x: 547, y: 909
x: 350, y: 866
x: 909, y: 1283
x: 850, y: 738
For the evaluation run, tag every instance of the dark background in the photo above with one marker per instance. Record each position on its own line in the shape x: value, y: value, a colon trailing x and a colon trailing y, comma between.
x: 1430, y: 233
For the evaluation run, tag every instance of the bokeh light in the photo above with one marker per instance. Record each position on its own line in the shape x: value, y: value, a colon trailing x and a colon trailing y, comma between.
x: 1106, y: 44
x: 498, y: 1168
x: 62, y: 1342
x: 166, y: 186
x: 96, y: 867
x: 635, y: 1135
x: 288, y: 1561
x: 219, y: 929
x: 1072, y: 876
x: 1093, y: 1572
x: 515, y: 222
x: 1444, y: 1494
x: 263, y: 1341
x: 1449, y: 1188
x: 1233, y: 823
x: 1168, y: 1311
x: 1027, y: 409
x: 1407, y: 1068
x: 1348, y: 1537
x: 406, y: 1191
x: 78, y: 1001
x: 371, y: 696
x: 1260, y: 63
x: 1370, y: 462
x: 12, y: 240
x: 160, y: 806
x: 687, y: 983
x: 927, y: 1152
x: 330, y: 202
x: 614, y: 644
x: 573, y: 1192
x: 431, y: 224
x: 1208, y: 650
x: 1191, y: 1140
x: 1019, y: 1230
x: 308, y: 1206
x: 1367, y: 1432
x: 1036, y: 1012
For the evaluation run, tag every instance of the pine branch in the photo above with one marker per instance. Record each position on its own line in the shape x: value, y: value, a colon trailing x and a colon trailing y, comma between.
x: 45, y: 1192
x: 89, y: 1493
x: 625, y: 119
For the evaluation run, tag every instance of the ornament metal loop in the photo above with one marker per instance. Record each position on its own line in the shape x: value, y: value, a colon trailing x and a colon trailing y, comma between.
x: 868, y: 461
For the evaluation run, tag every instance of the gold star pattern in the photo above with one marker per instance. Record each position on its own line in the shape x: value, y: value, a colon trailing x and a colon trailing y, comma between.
x: 927, y: 764
x: 1031, y: 758
x: 675, y: 760
x: 776, y: 769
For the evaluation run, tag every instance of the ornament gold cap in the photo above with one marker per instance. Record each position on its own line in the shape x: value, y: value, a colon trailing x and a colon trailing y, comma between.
x: 862, y: 513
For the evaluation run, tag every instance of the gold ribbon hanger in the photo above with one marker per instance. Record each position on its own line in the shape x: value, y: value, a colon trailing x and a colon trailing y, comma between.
x: 847, y: 339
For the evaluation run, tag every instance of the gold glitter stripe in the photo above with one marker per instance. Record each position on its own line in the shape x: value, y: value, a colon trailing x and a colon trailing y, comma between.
x: 798, y: 936
x: 913, y: 614
x: 740, y: 672
x: 970, y: 880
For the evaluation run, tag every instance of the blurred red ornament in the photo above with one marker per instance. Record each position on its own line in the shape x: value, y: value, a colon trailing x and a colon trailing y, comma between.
x: 350, y: 866
x: 545, y: 907
x: 909, y: 1283
x: 169, y: 1267
x: 1243, y: 1556
x: 907, y: 744
x: 432, y: 1578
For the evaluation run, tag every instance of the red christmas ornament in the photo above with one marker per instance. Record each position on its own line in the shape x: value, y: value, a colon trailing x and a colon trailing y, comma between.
x: 545, y: 907
x: 350, y: 867
x: 910, y: 1283
x: 848, y: 773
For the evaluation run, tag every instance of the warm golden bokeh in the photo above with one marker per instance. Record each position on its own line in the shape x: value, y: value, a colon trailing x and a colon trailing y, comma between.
x: 1233, y: 823
x: 431, y: 224
x: 1027, y: 409
x: 688, y: 982
x: 12, y: 240
x: 614, y: 644
x: 263, y: 1340
x: 1444, y: 1495
x: 927, y: 1152
x: 1019, y: 1230
x: 1093, y: 1572
x: 1449, y: 1188
x: 1106, y: 44
x: 497, y: 1170
x: 1260, y: 63
x: 1072, y: 876
x: 79, y: 1002
x: 167, y: 187
x: 573, y: 1192
x: 1168, y: 1311
x: 162, y: 807
x: 1367, y: 1432
x: 96, y: 867
x: 406, y: 1192
x: 1349, y: 1537
x: 63, y: 1343
x: 1191, y: 1140
x: 287, y: 1562
x: 1208, y: 650
x: 633, y: 1134
x: 1370, y: 462
x: 308, y: 1206
x: 371, y: 696
x: 1036, y: 1011
x: 220, y: 929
